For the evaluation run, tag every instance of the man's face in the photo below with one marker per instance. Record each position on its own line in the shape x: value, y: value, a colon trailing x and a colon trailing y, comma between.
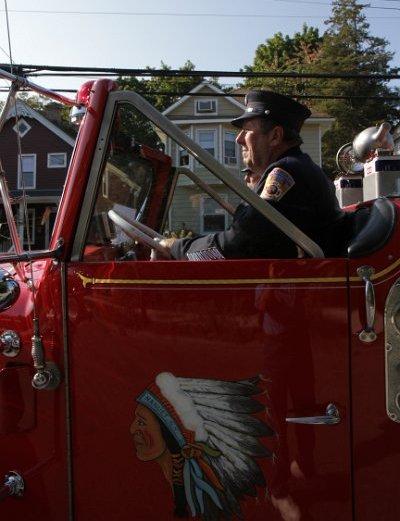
x: 257, y: 147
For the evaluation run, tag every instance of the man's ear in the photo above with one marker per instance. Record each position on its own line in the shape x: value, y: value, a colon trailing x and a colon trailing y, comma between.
x: 276, y: 135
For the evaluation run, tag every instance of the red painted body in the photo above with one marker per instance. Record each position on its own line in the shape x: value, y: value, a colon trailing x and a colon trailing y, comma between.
x: 293, y: 323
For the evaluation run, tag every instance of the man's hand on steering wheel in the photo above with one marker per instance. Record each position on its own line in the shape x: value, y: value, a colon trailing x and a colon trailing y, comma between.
x: 166, y: 244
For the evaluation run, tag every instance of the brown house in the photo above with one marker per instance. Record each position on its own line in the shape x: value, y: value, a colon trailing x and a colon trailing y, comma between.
x: 38, y: 167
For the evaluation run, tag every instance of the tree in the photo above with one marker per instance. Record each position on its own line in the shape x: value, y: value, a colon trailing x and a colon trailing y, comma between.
x: 349, y: 47
x: 286, y: 54
x: 161, y: 92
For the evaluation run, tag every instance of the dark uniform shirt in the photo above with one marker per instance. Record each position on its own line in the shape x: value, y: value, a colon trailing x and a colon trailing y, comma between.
x: 300, y: 190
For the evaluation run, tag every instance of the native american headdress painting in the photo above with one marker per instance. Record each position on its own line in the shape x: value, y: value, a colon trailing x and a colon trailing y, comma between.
x: 213, y: 438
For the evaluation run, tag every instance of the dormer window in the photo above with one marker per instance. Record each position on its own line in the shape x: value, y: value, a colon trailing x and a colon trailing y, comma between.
x: 206, y: 106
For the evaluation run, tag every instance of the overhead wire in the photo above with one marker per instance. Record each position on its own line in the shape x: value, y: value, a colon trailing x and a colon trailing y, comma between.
x: 327, y: 4
x: 169, y: 14
x: 240, y: 95
x: 60, y: 71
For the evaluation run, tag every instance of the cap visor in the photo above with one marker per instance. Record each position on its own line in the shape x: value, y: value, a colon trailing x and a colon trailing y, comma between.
x: 238, y: 122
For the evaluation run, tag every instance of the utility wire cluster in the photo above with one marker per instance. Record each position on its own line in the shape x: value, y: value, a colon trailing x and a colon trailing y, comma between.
x: 59, y: 71
x: 94, y: 72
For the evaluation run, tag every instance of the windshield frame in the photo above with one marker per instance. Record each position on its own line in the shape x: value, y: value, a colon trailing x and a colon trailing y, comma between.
x: 207, y: 160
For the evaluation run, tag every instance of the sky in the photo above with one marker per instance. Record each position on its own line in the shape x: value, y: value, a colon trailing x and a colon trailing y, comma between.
x: 213, y: 34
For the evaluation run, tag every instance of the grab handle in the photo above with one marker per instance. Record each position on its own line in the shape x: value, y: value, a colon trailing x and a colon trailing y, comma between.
x: 368, y: 334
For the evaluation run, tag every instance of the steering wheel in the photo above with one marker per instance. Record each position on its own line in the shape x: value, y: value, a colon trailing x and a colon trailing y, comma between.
x: 139, y: 232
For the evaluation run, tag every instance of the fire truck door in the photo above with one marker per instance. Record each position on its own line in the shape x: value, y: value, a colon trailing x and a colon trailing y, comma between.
x: 375, y: 384
x: 210, y: 389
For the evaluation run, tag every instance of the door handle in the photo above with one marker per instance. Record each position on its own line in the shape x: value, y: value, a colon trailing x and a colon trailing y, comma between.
x: 332, y: 417
x: 368, y: 333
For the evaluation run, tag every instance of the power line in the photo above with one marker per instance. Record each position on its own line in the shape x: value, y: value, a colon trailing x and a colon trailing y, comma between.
x: 176, y: 14
x: 57, y: 70
x: 328, y: 4
x: 240, y: 95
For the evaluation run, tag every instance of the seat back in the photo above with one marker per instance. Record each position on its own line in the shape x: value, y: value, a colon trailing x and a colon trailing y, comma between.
x: 372, y: 228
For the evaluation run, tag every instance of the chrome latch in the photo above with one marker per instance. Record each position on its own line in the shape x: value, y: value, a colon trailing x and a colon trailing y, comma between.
x: 10, y: 343
x: 13, y: 485
x: 368, y: 334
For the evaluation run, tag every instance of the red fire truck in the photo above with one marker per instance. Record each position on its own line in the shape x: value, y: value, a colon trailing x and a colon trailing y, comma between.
x: 140, y: 389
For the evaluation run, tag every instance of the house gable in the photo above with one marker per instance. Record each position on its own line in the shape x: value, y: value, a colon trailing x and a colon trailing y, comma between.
x: 186, y: 107
x: 25, y: 111
x: 41, y: 140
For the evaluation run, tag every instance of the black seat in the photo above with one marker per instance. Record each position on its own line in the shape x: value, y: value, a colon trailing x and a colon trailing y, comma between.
x: 372, y: 228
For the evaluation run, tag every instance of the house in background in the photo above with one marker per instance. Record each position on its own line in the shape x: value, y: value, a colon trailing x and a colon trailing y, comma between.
x: 40, y: 167
x: 205, y: 115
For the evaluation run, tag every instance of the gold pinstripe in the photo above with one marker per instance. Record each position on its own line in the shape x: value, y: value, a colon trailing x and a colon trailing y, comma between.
x: 231, y: 282
x: 213, y: 282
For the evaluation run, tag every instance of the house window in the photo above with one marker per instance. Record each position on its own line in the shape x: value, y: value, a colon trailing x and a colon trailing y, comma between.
x: 22, y: 127
x: 183, y: 155
x: 57, y: 160
x: 206, y: 139
x: 213, y: 217
x: 206, y: 106
x: 230, y: 157
x: 27, y: 171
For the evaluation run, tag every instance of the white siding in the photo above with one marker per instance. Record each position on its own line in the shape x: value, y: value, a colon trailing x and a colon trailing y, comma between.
x: 311, y: 142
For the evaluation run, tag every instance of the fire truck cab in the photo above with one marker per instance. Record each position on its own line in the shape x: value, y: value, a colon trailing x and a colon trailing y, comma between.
x: 223, y: 389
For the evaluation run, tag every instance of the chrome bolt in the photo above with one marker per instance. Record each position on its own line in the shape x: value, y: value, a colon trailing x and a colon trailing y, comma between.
x: 15, y: 483
x: 10, y: 343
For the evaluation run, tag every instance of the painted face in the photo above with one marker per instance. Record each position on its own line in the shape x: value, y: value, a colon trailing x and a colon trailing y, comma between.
x: 147, y: 435
x: 256, y: 146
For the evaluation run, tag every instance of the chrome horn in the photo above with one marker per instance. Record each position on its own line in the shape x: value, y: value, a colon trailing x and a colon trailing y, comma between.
x: 371, y: 139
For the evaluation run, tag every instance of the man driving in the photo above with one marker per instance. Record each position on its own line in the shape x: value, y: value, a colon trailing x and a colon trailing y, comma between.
x: 287, y: 178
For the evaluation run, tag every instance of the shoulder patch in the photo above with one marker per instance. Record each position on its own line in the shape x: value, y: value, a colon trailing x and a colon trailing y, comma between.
x: 277, y: 184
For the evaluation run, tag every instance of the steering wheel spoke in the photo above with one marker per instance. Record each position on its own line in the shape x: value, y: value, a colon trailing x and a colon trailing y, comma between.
x: 139, y: 232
